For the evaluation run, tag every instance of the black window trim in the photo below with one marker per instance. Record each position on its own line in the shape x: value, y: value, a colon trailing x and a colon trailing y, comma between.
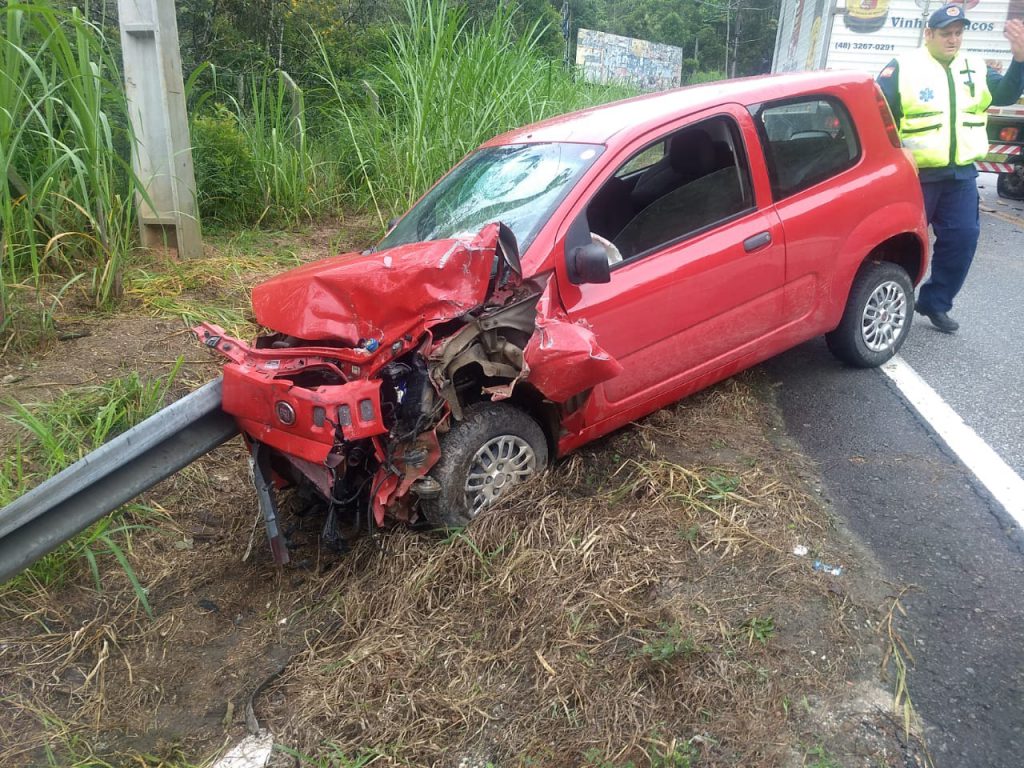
x: 742, y: 160
x: 757, y: 111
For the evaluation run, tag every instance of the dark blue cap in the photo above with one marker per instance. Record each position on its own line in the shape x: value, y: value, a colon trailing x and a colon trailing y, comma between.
x: 946, y: 15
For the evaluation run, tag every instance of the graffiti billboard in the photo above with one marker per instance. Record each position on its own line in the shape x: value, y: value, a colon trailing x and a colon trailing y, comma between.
x: 605, y: 58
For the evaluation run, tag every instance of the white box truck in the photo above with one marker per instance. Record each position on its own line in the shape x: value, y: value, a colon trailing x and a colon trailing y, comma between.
x: 866, y: 34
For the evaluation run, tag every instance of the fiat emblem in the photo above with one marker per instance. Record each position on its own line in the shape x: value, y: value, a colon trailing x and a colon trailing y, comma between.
x: 285, y: 413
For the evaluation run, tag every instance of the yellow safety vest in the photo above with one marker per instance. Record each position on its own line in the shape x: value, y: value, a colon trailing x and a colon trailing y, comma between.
x: 929, y: 94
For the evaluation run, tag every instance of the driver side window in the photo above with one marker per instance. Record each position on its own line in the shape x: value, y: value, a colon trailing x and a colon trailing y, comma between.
x: 684, y: 183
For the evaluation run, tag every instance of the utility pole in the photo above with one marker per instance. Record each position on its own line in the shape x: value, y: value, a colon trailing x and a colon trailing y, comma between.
x: 728, y: 10
x: 162, y: 156
x: 566, y: 28
x: 735, y: 44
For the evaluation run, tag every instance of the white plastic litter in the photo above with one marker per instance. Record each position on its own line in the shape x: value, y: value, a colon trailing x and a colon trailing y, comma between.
x: 250, y: 752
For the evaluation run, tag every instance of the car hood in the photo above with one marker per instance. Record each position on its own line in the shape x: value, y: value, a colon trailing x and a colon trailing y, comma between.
x: 379, y: 296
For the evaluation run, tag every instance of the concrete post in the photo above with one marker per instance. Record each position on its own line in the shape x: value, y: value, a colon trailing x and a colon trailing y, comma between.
x: 156, y: 105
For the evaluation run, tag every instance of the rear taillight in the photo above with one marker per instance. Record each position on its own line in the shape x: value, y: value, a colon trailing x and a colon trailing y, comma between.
x: 1009, y: 134
x: 890, y: 125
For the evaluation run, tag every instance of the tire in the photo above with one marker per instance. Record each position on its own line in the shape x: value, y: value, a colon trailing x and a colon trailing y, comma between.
x: 1011, y: 185
x: 877, y: 318
x: 496, y: 445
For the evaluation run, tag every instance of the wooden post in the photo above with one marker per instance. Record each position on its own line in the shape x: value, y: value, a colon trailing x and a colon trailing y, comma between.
x: 156, y: 106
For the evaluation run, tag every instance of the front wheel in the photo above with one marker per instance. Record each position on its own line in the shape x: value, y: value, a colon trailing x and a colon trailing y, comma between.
x: 877, y: 317
x: 1011, y: 185
x: 494, y: 447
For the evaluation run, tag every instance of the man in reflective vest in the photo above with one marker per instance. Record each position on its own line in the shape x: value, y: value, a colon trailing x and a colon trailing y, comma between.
x: 938, y: 97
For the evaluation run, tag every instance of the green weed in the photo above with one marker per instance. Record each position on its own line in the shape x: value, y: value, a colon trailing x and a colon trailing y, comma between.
x: 721, y: 486
x: 668, y: 644
x: 673, y: 755
x: 759, y: 628
x: 61, y: 432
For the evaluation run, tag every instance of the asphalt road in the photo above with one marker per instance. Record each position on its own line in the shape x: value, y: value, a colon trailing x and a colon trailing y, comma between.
x: 980, y: 370
x: 925, y: 517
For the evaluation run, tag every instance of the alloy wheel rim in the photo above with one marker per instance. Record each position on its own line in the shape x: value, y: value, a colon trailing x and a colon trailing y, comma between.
x: 885, y: 315
x: 501, y: 462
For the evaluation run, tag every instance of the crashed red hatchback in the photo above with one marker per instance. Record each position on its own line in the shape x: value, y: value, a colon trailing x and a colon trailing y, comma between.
x: 571, y: 276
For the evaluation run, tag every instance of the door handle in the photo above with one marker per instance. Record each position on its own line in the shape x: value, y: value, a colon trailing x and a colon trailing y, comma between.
x: 757, y: 241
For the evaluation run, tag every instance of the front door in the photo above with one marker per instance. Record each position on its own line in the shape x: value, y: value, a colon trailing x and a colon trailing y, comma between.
x: 702, y: 270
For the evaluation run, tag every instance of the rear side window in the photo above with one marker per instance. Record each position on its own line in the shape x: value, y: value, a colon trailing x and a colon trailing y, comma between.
x: 806, y: 142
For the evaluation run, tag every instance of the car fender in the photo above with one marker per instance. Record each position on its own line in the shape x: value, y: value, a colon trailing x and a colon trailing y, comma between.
x: 904, y: 217
x: 563, y: 357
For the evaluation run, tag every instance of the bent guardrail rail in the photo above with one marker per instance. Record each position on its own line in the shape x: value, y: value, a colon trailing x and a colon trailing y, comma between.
x: 66, y: 504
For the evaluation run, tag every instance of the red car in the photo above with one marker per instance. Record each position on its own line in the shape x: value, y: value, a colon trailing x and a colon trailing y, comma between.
x: 572, y: 276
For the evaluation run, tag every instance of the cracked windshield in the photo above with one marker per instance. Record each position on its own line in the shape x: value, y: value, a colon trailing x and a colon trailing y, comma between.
x: 519, y: 185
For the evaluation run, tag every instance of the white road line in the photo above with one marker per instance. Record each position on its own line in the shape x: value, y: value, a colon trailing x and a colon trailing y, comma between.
x: 995, y: 474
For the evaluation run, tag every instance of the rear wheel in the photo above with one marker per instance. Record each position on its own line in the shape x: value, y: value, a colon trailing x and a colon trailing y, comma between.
x: 494, y: 447
x: 1011, y: 185
x: 877, y: 316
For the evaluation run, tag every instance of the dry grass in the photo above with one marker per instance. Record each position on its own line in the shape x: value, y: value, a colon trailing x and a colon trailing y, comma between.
x: 601, y: 615
x: 218, y: 286
x: 640, y: 605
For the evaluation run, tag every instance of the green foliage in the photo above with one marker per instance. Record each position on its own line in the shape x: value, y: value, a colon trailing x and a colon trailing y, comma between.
x: 721, y: 486
x: 295, y: 180
x: 669, y: 644
x: 63, y: 431
x: 227, y: 188
x: 64, y: 140
x: 709, y: 76
x: 66, y: 748
x: 255, y: 160
x: 443, y: 87
x: 81, y: 420
x: 674, y: 755
x: 759, y: 628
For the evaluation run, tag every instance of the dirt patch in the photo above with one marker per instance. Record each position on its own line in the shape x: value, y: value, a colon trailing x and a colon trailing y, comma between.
x: 641, y: 606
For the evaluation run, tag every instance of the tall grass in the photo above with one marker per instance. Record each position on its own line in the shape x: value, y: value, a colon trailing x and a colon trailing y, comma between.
x: 64, y: 137
x: 293, y: 182
x: 441, y: 89
x: 256, y: 160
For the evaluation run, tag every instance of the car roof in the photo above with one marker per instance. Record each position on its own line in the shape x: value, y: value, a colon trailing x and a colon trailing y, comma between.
x: 620, y: 121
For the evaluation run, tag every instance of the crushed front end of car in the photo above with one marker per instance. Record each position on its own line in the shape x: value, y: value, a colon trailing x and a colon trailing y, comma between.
x: 375, y: 356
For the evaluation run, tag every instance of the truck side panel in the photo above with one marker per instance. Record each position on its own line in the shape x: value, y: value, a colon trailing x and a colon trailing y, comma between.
x: 865, y: 34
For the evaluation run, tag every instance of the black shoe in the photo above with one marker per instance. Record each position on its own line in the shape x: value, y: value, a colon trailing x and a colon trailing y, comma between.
x: 941, y: 320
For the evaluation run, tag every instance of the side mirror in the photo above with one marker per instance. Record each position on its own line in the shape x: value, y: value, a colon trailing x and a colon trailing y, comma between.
x: 585, y: 260
x: 589, y: 264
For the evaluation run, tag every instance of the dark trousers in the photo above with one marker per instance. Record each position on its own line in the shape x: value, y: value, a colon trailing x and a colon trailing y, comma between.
x: 952, y: 209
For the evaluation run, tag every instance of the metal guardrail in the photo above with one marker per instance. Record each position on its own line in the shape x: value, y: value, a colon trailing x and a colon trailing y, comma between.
x: 66, y: 504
